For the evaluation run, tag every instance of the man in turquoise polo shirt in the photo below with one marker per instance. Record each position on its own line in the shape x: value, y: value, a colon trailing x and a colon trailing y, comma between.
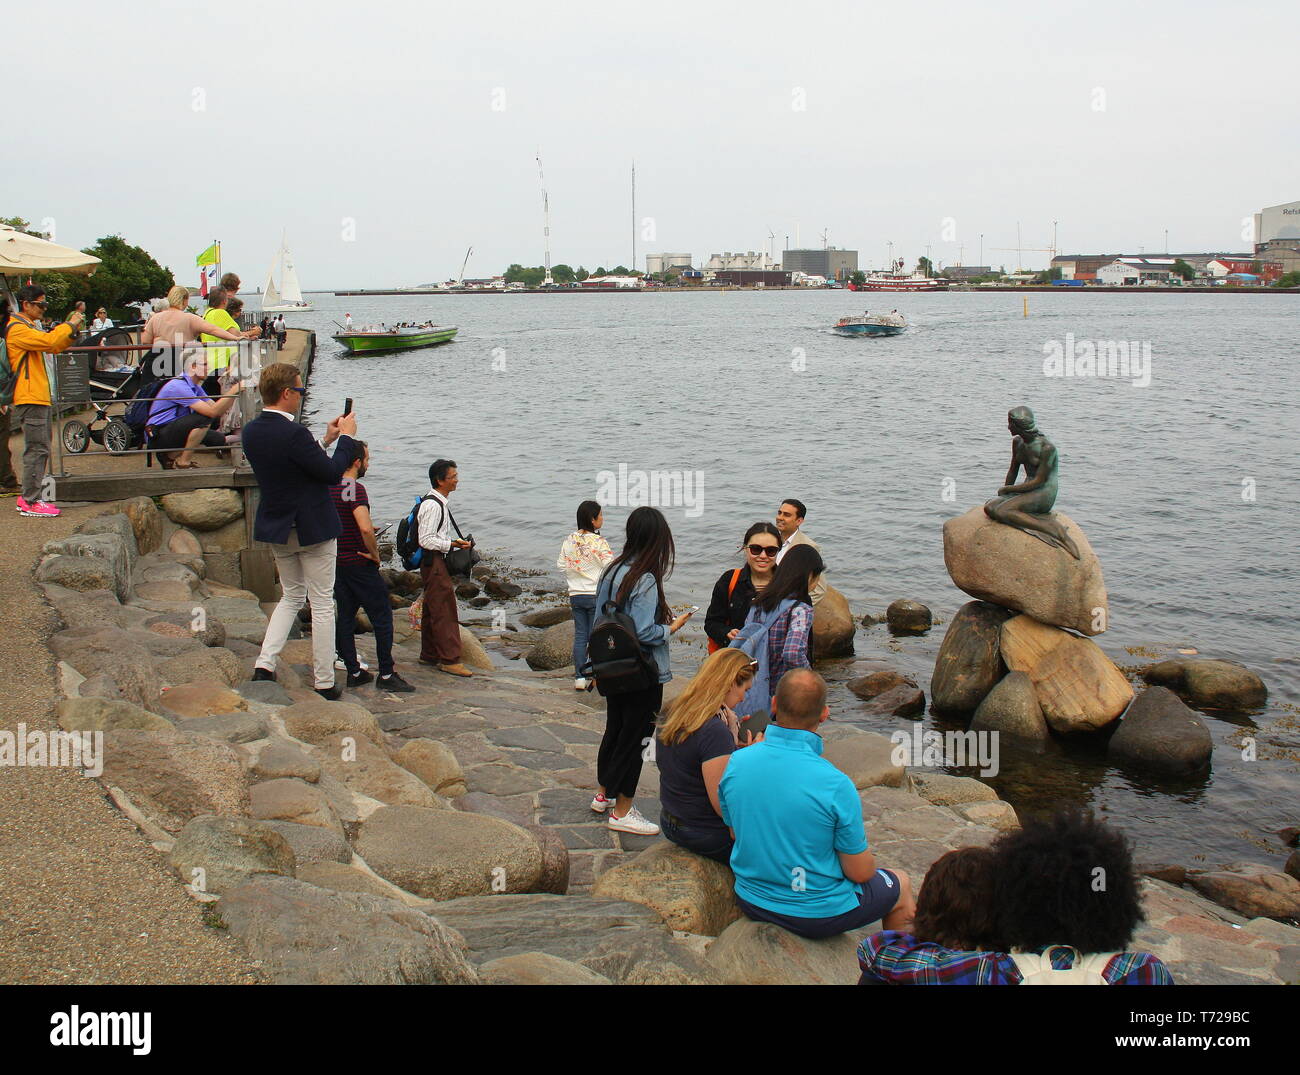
x: 801, y: 857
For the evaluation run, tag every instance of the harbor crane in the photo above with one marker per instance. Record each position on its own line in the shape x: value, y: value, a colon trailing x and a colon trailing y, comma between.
x: 546, y: 221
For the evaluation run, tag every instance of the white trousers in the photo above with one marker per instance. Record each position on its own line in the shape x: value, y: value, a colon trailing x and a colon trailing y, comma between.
x: 306, y: 574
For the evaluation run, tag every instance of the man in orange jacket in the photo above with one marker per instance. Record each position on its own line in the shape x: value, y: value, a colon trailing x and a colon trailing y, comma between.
x: 32, y: 405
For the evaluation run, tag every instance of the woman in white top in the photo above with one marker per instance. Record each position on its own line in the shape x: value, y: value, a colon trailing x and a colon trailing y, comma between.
x: 102, y: 321
x: 583, y: 557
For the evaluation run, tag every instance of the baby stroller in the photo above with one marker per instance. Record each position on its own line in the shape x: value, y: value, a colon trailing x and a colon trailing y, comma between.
x: 107, y: 388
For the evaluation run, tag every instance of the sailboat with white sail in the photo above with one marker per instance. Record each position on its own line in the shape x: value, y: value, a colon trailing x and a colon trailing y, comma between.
x: 288, y: 297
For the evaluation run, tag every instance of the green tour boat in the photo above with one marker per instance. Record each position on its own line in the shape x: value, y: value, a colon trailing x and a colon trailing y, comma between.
x: 403, y: 338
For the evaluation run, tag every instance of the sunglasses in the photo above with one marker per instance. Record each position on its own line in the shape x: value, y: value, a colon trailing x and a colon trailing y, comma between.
x: 302, y: 391
x: 763, y: 550
x: 42, y: 303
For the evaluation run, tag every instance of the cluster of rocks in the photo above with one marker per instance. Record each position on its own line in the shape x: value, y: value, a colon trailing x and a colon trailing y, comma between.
x: 1020, y: 659
x: 442, y: 836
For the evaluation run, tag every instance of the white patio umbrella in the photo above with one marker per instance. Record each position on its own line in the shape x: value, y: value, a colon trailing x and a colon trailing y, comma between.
x: 22, y: 254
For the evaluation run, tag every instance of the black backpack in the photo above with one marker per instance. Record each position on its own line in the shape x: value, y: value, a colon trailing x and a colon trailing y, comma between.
x: 615, y: 659
x: 407, y: 541
x: 137, y: 414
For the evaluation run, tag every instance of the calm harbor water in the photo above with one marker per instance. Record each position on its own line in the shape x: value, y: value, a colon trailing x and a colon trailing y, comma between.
x: 1187, y: 487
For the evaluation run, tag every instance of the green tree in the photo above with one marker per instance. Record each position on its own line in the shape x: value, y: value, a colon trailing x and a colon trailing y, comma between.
x: 599, y: 270
x: 581, y: 274
x: 128, y: 274
x: 562, y: 274
x: 1291, y: 279
x: 620, y: 270
x: 858, y: 278
x: 924, y: 266
x: 1181, y: 268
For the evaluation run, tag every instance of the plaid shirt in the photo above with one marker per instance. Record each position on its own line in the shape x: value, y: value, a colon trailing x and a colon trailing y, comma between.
x: 893, y: 958
x: 787, y: 642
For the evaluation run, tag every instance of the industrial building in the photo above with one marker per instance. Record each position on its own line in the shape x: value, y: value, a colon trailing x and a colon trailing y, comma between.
x: 966, y: 272
x: 830, y: 262
x: 657, y: 263
x: 729, y: 261
x: 750, y: 278
x: 1278, y: 223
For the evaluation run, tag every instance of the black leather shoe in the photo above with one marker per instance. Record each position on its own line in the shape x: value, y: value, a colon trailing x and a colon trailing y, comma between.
x: 360, y: 679
x: 395, y: 683
x: 260, y: 675
x: 330, y: 694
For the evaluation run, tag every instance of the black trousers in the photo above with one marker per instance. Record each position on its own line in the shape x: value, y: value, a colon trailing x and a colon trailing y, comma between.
x: 359, y: 586
x: 171, y: 437
x: 629, y: 727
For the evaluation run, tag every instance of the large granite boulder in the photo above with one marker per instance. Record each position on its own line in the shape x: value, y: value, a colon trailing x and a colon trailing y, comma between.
x: 570, y: 927
x: 943, y: 789
x: 96, y: 561
x: 545, y: 617
x: 435, y: 764
x: 146, y: 522
x: 315, y: 720
x: 175, y: 776
x: 759, y: 953
x: 443, y: 854
x: 998, y: 563
x: 203, y: 509
x: 833, y: 626
x: 118, y: 526
x: 202, y: 699
x: 1011, y: 708
x: 866, y: 758
x: 1077, y: 685
x: 1252, y: 890
x: 281, y: 758
x: 651, y: 959
x: 553, y: 648
x: 694, y: 894
x: 473, y: 653
x: 368, y: 770
x: 213, y: 664
x: 291, y: 799
x: 305, y: 935
x: 216, y: 854
x: 537, y: 968
x: 970, y: 658
x: 1159, y: 732
x: 107, y: 714
x: 311, y: 843
x: 1210, y: 684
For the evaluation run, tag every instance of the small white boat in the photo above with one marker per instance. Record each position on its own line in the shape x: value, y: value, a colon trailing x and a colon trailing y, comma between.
x: 288, y: 298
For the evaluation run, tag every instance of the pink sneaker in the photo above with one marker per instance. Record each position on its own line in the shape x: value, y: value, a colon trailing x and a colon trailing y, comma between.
x: 37, y: 508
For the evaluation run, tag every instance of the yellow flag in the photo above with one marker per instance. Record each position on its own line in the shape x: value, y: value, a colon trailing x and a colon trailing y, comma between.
x: 209, y: 257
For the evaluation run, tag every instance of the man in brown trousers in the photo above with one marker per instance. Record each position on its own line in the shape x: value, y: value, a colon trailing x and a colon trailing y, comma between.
x: 439, y: 622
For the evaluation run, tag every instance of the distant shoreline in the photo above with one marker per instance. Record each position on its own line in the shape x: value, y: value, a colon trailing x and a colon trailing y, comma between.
x: 1025, y: 289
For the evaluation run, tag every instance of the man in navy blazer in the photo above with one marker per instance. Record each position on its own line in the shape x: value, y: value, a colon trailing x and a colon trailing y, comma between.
x: 296, y: 516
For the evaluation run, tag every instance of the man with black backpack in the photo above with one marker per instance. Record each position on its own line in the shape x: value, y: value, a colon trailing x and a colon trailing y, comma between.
x: 439, y: 619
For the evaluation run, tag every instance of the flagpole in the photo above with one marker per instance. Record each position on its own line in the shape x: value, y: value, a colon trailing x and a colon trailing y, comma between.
x: 217, y: 242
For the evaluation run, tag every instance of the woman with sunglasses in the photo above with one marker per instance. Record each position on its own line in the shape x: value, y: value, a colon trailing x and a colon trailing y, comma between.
x: 783, y: 616
x: 694, y: 742
x: 736, y: 588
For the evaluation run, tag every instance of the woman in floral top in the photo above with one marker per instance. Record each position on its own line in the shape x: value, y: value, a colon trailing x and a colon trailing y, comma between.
x: 583, y: 557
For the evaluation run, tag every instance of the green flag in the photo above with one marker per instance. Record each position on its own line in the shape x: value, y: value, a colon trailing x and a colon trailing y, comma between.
x: 209, y: 257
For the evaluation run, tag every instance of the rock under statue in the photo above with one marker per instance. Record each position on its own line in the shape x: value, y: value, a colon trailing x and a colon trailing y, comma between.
x: 1028, y: 506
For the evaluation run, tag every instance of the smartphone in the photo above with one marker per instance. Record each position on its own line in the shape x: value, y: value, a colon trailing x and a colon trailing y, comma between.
x: 692, y: 610
x: 347, y: 405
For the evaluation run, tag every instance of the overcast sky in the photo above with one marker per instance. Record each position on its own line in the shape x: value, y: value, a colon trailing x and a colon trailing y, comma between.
x: 387, y: 137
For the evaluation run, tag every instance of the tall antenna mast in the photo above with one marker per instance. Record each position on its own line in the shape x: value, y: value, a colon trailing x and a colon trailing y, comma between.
x: 633, y: 265
x: 546, y: 220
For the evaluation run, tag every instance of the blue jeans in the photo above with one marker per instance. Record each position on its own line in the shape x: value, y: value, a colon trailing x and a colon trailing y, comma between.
x: 876, y: 898
x: 584, y: 615
x: 713, y: 844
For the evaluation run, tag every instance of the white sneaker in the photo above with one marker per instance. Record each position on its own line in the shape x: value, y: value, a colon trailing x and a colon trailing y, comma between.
x: 579, y: 684
x: 600, y: 804
x: 634, y: 823
x: 360, y: 660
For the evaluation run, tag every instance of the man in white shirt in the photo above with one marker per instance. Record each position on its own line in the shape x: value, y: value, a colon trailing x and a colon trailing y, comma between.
x: 789, y: 521
x: 439, y: 620
x: 347, y: 318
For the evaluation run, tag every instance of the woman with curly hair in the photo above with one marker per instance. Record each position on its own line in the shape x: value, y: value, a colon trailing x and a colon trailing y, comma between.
x: 1065, y: 903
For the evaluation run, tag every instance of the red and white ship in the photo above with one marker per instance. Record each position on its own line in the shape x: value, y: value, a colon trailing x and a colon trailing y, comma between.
x: 897, y: 280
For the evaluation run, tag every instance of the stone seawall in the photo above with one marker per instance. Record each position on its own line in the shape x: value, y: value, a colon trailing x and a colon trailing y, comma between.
x: 445, y: 835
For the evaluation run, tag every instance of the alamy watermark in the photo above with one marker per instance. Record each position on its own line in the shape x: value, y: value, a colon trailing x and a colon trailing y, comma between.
x: 655, y: 488
x: 932, y: 750
x: 57, y: 749
x: 1125, y: 359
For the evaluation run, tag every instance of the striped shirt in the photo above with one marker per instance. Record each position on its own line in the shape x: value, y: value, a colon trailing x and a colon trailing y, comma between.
x: 348, y: 495
x: 894, y: 958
